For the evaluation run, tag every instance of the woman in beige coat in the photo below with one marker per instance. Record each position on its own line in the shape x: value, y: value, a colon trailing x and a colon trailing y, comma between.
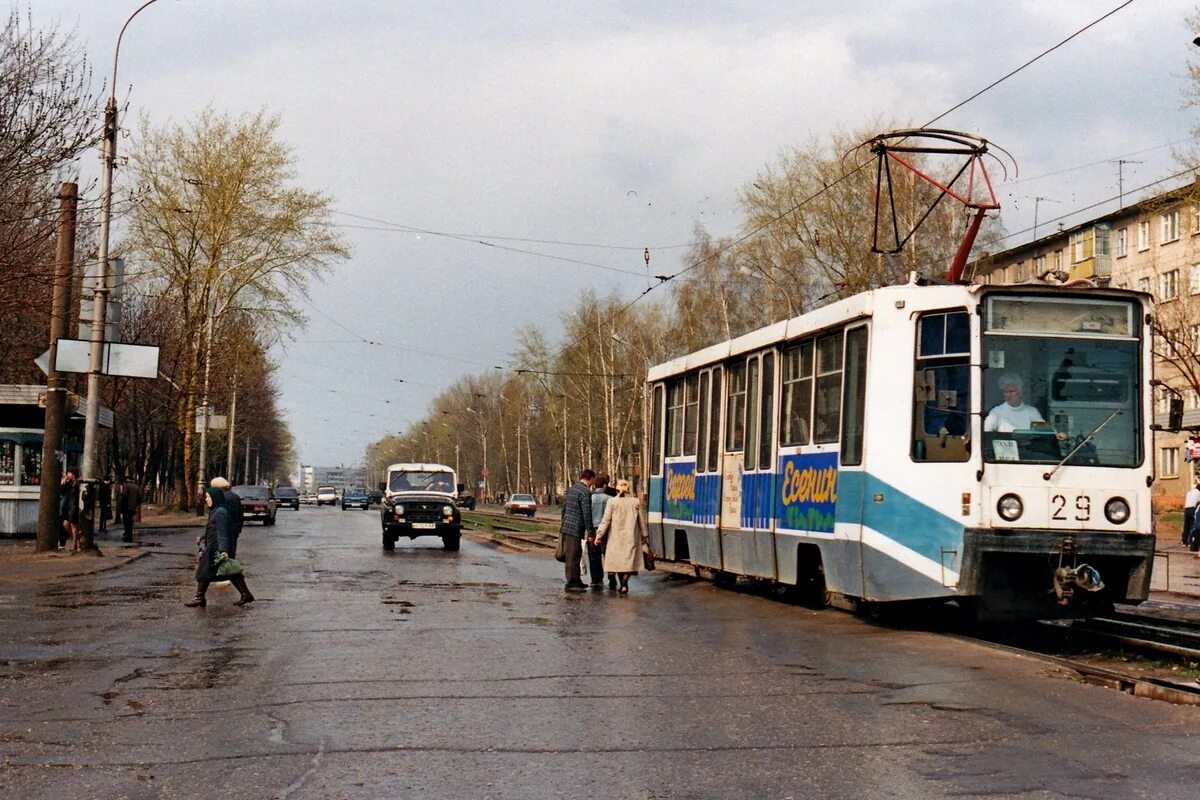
x: 626, y: 533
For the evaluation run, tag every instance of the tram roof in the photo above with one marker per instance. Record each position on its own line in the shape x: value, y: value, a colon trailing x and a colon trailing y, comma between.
x: 856, y: 307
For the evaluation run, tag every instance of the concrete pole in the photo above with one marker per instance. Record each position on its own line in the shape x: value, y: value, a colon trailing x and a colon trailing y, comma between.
x: 56, y: 395
x: 201, y: 467
x: 232, y: 428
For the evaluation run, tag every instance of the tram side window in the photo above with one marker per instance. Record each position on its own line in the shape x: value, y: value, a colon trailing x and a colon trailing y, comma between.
x: 675, y: 419
x: 705, y: 422
x: 691, y: 416
x: 735, y: 409
x: 714, y: 427
x: 752, y: 395
x: 766, y: 426
x: 796, y: 408
x: 828, y: 405
x: 942, y: 398
x: 656, y: 449
x: 853, y: 417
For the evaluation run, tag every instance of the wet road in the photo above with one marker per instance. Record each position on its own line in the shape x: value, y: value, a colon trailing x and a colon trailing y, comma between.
x: 427, y: 674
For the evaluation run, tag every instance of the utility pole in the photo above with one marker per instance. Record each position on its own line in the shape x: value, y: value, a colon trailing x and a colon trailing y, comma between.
x: 56, y: 395
x: 232, y: 423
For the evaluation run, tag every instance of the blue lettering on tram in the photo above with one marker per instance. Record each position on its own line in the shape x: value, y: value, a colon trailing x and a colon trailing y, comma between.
x: 808, y: 492
x: 681, y: 490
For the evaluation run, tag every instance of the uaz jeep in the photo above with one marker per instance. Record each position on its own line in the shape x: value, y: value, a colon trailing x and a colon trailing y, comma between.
x: 419, y: 500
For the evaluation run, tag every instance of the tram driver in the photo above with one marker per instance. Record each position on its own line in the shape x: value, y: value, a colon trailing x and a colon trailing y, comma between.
x: 1013, y: 414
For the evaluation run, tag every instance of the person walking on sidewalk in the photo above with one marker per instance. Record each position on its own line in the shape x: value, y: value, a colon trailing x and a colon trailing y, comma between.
x: 601, y: 492
x: 68, y: 510
x: 576, y: 524
x: 131, y: 499
x: 106, y: 498
x: 625, y: 533
x: 215, y: 549
x: 1190, y: 501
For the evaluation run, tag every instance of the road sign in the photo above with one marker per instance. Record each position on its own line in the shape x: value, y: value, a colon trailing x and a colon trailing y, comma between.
x: 127, y: 360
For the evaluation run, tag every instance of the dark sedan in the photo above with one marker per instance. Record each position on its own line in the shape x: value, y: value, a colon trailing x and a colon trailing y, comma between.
x: 287, y: 496
x: 258, y: 502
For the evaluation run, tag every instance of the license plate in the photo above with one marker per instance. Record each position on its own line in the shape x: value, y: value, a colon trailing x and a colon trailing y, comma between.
x: 425, y: 526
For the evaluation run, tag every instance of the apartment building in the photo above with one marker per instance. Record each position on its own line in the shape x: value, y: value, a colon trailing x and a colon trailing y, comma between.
x: 1152, y: 246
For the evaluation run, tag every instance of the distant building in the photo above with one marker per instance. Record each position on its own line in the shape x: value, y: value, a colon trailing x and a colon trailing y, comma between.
x: 340, y: 477
x: 1152, y: 246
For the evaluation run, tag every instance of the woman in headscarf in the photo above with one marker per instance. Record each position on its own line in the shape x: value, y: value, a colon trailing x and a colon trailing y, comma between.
x: 215, y: 549
x: 623, y: 528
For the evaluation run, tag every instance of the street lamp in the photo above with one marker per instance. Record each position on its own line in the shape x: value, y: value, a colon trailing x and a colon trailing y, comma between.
x: 108, y: 155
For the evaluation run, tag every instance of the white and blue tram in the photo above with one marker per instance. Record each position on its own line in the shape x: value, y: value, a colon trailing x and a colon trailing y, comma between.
x: 852, y: 452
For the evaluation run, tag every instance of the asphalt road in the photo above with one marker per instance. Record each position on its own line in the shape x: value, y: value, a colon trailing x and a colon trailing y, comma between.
x: 427, y: 674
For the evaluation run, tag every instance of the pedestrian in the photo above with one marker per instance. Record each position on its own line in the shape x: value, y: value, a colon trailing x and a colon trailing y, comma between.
x: 1190, y: 500
x: 131, y: 499
x: 214, y: 548
x: 106, y: 504
x: 601, y: 492
x: 624, y: 534
x: 576, y: 524
x: 233, y: 505
x: 68, y: 510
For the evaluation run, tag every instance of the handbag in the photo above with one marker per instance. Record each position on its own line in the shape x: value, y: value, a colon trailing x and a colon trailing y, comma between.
x: 648, y: 560
x: 560, y: 549
x: 229, y: 567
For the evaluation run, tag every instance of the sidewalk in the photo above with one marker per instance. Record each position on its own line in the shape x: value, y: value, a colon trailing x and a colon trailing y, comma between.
x: 21, y: 564
x: 1176, y: 570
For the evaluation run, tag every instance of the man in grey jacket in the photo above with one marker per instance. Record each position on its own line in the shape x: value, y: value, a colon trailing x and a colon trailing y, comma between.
x: 576, y: 524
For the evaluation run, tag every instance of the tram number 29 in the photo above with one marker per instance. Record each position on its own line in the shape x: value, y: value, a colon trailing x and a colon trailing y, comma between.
x: 1062, y: 508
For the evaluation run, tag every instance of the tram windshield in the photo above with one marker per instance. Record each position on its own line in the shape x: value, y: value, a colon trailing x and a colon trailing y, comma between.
x: 1061, y: 378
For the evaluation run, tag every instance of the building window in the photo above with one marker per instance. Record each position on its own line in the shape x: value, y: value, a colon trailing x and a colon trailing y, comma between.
x: 1144, y: 285
x: 1076, y: 248
x: 1122, y: 239
x: 1196, y: 218
x: 1194, y: 279
x: 1196, y: 339
x: 1170, y: 226
x: 1143, y: 242
x: 1168, y: 462
x: 1058, y: 258
x: 1039, y: 265
x: 1192, y: 398
x: 1168, y: 285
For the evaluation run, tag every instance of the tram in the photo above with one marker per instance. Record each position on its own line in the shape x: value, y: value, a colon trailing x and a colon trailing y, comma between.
x: 989, y: 445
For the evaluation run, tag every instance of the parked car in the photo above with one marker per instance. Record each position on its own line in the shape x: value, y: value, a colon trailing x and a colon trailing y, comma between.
x: 308, y: 498
x: 258, y: 502
x: 287, y: 496
x: 356, y: 496
x: 418, y: 500
x: 521, y: 504
x: 327, y: 495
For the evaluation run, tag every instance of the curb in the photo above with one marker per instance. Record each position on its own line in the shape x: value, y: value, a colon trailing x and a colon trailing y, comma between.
x: 106, y: 567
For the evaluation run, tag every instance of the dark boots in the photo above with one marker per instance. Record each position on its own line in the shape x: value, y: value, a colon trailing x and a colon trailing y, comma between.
x: 239, y: 583
x: 198, y: 601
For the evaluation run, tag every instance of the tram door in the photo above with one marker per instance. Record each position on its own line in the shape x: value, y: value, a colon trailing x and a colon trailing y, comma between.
x: 758, y: 456
x: 656, y: 483
x: 730, y: 519
x: 852, y: 476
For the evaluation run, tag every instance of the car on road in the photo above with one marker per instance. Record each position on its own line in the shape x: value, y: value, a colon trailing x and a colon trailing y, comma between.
x: 521, y: 504
x: 287, y: 496
x: 465, y: 499
x: 258, y: 502
x: 355, y: 496
x: 419, y: 500
x: 327, y: 495
x: 308, y: 498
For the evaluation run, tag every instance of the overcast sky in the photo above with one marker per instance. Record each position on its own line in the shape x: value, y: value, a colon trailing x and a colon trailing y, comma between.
x: 622, y: 124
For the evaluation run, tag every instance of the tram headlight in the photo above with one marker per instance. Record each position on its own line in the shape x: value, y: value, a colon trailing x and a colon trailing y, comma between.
x: 1116, y: 510
x: 1010, y: 508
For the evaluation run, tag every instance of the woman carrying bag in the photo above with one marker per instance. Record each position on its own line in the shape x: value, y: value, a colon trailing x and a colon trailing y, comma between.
x: 215, y: 563
x: 626, y: 534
